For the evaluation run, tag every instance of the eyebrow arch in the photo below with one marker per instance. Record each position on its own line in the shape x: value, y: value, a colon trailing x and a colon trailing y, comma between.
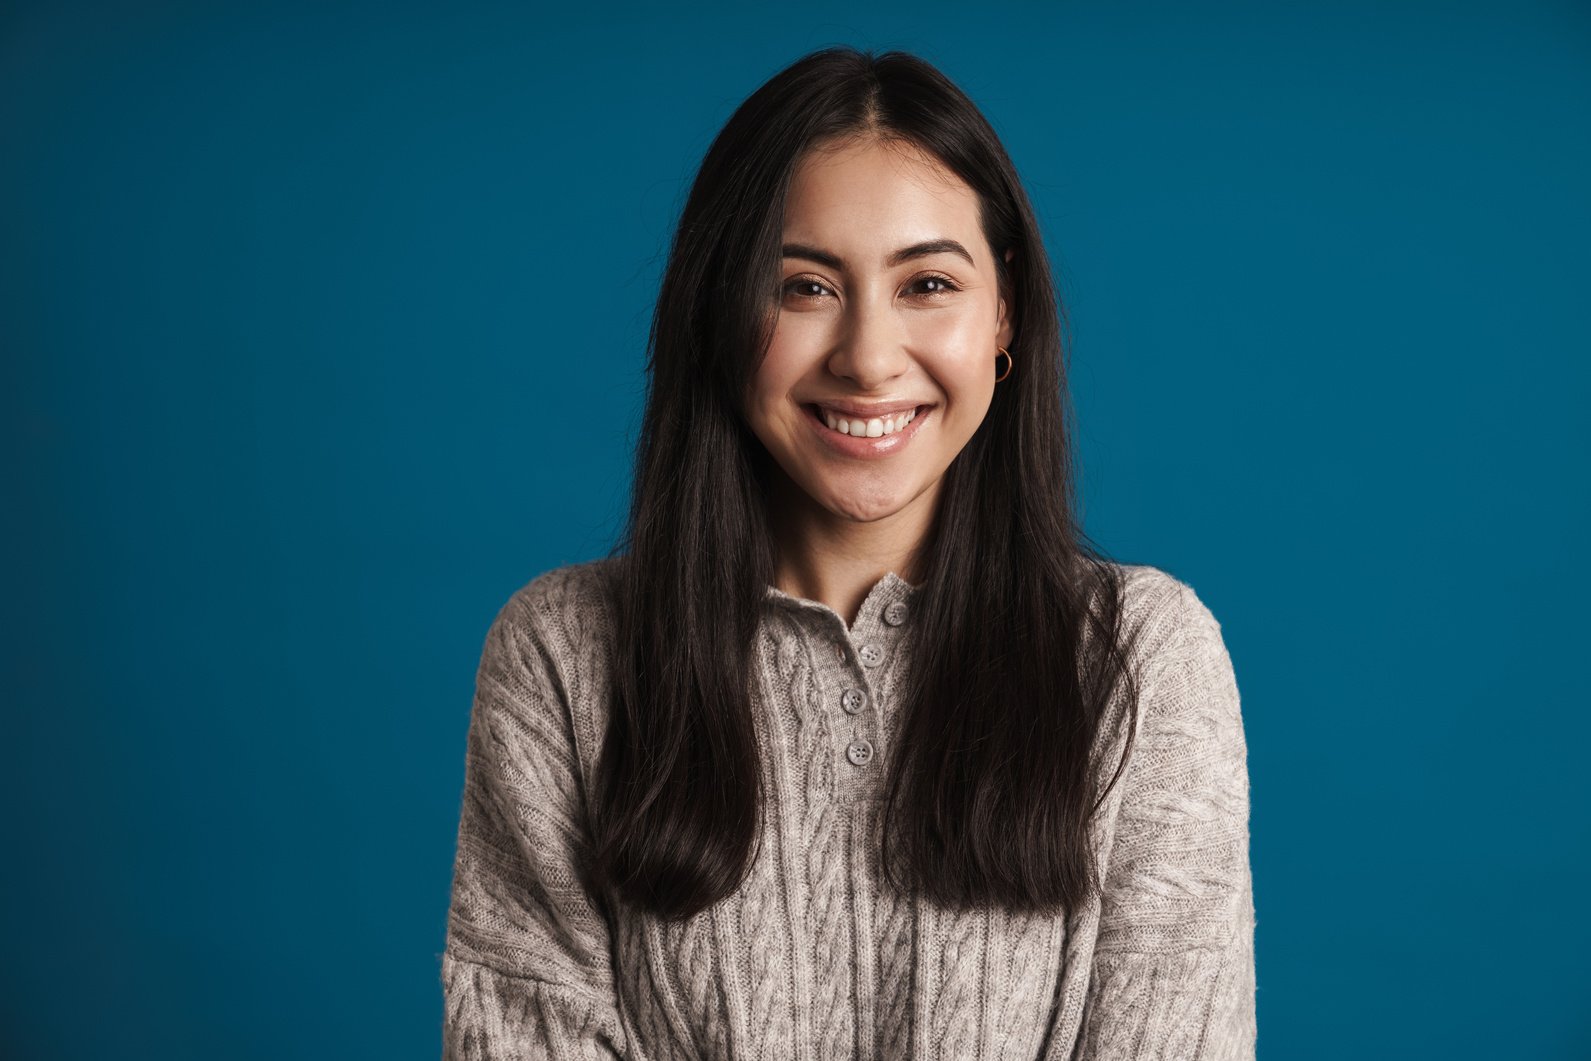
x: 916, y: 250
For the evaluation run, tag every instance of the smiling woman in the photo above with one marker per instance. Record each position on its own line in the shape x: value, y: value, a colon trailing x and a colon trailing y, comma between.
x: 855, y: 746
x: 886, y: 328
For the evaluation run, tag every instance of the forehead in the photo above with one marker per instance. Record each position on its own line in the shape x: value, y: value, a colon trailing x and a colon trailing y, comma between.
x: 861, y: 192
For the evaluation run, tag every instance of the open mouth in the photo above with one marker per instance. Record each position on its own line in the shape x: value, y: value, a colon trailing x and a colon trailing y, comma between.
x: 860, y: 427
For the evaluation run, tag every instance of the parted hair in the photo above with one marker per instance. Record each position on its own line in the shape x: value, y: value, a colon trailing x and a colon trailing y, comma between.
x: 1017, y: 628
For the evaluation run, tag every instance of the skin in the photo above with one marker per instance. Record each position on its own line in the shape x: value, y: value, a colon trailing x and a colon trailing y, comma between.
x: 869, y: 331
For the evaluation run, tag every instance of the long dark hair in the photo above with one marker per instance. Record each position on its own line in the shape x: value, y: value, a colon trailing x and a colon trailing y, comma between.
x: 1017, y: 628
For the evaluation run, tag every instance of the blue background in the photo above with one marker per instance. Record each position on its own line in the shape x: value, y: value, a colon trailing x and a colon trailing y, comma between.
x: 324, y: 332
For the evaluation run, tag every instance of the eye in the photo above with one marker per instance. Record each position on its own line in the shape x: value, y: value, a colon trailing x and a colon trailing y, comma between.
x: 801, y: 287
x: 943, y: 285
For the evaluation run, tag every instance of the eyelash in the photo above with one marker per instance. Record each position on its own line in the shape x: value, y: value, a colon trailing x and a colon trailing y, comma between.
x: 949, y: 284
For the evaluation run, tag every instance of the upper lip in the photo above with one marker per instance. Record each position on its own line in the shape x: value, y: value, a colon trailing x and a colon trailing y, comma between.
x: 868, y: 412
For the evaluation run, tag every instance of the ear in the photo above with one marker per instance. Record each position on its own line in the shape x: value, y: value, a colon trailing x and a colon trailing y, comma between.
x: 1003, y: 329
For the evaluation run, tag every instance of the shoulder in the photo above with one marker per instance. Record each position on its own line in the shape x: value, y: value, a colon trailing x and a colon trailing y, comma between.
x: 565, y: 600
x: 1176, y: 645
x: 556, y: 630
x: 1159, y: 608
x: 544, y: 669
x: 1163, y: 618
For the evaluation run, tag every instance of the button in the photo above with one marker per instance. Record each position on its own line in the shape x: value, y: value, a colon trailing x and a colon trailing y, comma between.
x: 860, y: 752
x: 896, y: 613
x: 853, y: 701
x: 871, y: 655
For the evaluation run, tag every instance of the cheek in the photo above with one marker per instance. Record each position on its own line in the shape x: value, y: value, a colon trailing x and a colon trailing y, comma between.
x: 768, y: 395
x: 958, y: 351
x: 794, y: 352
x: 798, y: 342
x: 958, y: 333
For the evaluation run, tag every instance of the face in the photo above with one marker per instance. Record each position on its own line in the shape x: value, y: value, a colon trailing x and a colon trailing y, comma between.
x: 889, y: 308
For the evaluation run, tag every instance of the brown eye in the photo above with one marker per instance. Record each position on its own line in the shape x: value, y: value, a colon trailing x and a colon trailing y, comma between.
x: 805, y: 288
x: 942, y: 285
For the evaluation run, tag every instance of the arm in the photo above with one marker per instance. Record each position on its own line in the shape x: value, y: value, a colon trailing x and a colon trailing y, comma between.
x: 525, y: 972
x: 1173, y: 973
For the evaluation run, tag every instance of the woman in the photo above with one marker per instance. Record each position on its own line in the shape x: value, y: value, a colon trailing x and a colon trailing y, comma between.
x: 857, y: 749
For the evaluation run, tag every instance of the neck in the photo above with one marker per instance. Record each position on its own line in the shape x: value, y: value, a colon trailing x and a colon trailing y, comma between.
x: 835, y: 560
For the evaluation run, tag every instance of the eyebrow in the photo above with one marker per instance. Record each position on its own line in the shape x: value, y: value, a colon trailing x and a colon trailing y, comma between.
x: 916, y: 250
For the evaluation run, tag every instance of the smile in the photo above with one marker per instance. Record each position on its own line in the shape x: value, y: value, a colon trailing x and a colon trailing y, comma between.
x: 864, y: 443
x: 872, y: 427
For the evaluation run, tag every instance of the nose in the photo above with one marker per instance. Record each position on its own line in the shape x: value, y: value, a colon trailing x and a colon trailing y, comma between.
x: 872, y: 349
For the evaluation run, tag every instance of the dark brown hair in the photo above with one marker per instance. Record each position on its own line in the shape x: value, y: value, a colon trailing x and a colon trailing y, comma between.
x: 995, y: 779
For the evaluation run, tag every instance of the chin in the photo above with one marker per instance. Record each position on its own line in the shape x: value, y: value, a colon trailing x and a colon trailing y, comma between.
x: 865, y: 507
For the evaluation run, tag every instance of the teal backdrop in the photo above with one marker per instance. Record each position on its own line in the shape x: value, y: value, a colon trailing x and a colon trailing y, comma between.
x: 324, y: 329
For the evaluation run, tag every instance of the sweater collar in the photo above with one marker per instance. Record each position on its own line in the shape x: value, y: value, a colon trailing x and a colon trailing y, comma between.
x: 883, y: 593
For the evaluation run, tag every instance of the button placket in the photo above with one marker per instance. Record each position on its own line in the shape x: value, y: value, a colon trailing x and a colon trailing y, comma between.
x: 855, y: 699
x: 861, y: 653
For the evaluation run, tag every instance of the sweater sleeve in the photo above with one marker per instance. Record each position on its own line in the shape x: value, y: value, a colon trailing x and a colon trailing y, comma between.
x: 1173, y: 972
x: 525, y: 972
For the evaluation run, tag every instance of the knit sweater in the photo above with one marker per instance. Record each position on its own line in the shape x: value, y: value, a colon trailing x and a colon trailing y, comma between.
x: 815, y: 957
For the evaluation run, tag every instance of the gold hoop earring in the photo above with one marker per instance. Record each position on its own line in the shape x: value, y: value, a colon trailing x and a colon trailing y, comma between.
x: 1010, y: 363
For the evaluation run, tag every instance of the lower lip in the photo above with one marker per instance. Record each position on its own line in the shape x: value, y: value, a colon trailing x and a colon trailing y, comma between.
x: 861, y: 446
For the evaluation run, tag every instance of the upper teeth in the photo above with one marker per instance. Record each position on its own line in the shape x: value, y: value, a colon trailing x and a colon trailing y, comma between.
x: 871, y: 428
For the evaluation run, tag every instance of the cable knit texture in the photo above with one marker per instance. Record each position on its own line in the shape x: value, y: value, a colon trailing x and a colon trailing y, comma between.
x: 816, y: 957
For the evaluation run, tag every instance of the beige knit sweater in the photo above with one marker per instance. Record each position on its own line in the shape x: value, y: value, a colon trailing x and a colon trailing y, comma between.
x: 815, y: 957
